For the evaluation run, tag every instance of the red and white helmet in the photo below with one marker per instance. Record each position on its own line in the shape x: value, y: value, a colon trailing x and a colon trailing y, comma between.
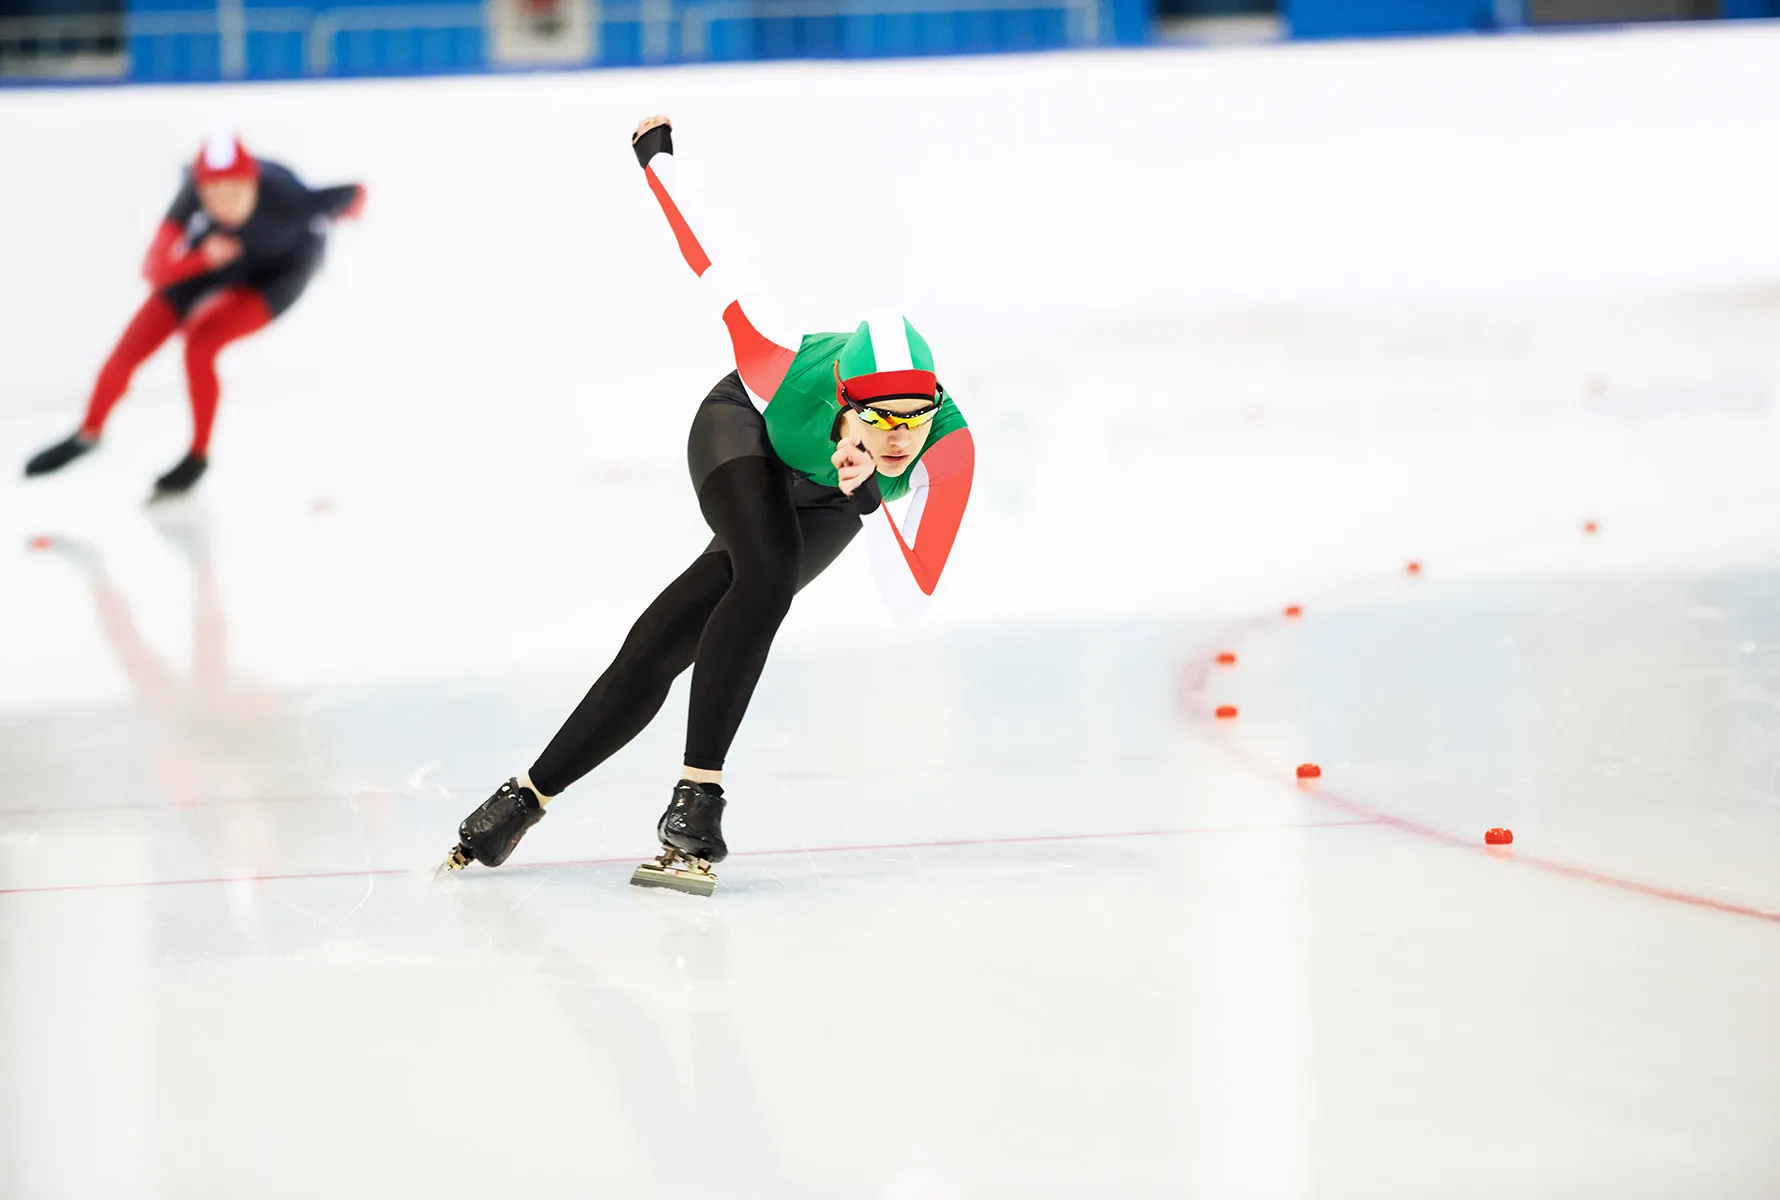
x: 224, y: 157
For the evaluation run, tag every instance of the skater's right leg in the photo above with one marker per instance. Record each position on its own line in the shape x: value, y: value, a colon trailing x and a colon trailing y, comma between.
x: 152, y: 325
x: 621, y: 702
x: 658, y: 649
x: 744, y: 492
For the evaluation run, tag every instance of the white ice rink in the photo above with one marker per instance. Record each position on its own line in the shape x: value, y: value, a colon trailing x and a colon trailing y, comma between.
x: 1042, y: 926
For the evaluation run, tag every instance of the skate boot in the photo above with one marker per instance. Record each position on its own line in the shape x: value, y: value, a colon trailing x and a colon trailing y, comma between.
x: 489, y: 834
x: 691, y: 833
x: 182, y: 478
x: 59, y: 455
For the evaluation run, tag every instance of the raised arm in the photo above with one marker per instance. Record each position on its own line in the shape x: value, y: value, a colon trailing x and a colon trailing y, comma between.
x: 338, y: 203
x: 907, y: 562
x: 761, y: 355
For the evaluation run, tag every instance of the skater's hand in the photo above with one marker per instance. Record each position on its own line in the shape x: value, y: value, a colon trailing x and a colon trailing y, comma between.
x: 853, y: 464
x: 220, y: 249
x: 646, y: 125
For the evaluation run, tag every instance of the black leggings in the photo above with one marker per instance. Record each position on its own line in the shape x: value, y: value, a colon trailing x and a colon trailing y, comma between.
x: 775, y: 532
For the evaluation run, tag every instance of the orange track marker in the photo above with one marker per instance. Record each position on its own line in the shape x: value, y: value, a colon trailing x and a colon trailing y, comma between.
x: 1310, y: 771
x: 1226, y: 712
x: 1226, y: 658
x: 1498, y: 837
x: 1293, y: 610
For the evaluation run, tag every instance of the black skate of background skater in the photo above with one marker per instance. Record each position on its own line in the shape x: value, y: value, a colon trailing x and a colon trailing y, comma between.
x: 790, y: 455
x: 234, y: 252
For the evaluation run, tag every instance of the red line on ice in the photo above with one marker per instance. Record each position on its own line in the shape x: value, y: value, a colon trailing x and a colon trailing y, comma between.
x: 1031, y: 839
x: 1196, y: 673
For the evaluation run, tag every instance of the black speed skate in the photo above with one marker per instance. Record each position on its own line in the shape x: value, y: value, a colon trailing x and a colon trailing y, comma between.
x: 182, y: 478
x: 691, y: 833
x: 489, y: 834
x: 55, y: 457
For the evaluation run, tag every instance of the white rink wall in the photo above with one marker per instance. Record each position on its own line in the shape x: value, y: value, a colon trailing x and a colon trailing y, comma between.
x: 1230, y: 327
x: 511, y: 246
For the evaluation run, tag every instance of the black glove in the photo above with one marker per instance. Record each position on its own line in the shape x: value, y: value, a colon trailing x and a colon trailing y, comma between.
x: 658, y: 140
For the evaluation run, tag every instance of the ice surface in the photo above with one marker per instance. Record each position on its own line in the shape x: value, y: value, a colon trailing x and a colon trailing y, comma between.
x: 1009, y: 913
x: 1018, y: 919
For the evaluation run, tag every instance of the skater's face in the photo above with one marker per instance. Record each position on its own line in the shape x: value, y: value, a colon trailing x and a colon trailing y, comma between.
x: 894, y: 449
x: 229, y: 201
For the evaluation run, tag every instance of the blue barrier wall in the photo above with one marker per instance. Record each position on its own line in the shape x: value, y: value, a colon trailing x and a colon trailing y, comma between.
x: 1360, y: 18
x: 276, y: 43
x: 1372, y: 18
x: 173, y: 56
x: 176, y: 41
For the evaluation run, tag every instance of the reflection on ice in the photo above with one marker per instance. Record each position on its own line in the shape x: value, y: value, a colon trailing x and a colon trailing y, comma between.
x: 1042, y: 926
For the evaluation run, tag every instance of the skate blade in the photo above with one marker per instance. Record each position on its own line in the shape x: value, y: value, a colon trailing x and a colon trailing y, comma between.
x: 690, y: 880
x: 457, y: 860
x: 167, y: 502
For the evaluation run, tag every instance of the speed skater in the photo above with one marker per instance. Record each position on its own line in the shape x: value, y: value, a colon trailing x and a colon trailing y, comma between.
x: 239, y: 245
x: 791, y: 455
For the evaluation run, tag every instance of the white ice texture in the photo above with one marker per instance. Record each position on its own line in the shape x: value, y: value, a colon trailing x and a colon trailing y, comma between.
x: 1010, y: 915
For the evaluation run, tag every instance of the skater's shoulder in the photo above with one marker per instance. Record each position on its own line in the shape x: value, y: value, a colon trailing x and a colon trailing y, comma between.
x: 185, y: 200
x: 277, y: 175
x: 816, y: 355
x: 827, y: 343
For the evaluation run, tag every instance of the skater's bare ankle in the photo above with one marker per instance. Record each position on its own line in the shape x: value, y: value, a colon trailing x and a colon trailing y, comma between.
x: 699, y: 775
x: 525, y: 781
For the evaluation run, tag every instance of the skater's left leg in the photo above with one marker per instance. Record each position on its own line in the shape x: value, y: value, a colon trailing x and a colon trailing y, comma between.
x: 230, y: 316
x: 234, y: 315
x: 747, y: 503
x: 691, y: 830
x: 777, y: 543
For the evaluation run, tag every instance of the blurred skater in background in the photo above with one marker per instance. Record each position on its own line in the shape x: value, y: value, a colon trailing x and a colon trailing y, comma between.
x: 791, y: 454
x: 239, y: 245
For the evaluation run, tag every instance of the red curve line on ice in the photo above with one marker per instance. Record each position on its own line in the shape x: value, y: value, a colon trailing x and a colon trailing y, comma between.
x: 1198, y: 670
x: 1186, y: 831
